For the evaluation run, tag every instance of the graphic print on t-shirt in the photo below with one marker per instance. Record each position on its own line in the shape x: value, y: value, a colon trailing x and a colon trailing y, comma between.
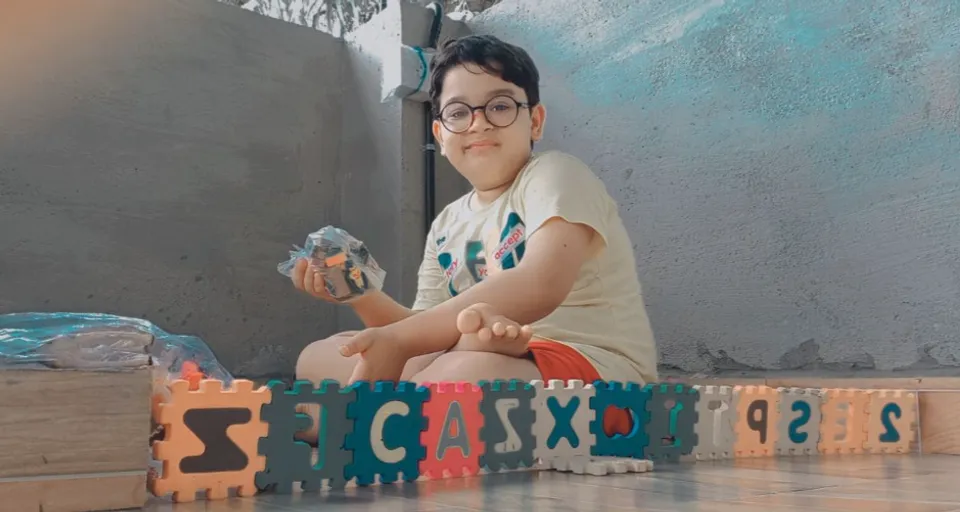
x: 474, y: 258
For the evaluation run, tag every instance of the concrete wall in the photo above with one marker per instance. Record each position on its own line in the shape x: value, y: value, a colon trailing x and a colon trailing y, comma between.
x: 790, y: 171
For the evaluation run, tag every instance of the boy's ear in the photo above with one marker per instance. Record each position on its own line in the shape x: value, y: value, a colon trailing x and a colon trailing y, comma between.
x: 538, y: 117
x: 437, y: 132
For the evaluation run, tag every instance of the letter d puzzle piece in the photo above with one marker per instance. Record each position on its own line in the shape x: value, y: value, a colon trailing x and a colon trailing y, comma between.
x: 290, y: 460
x: 632, y: 397
x: 891, y: 422
x: 210, y: 440
x: 508, y: 418
x: 563, y: 421
x: 717, y: 416
x: 843, y: 428
x: 673, y: 418
x: 388, y: 422
x: 452, y: 438
x: 756, y: 421
x: 798, y: 429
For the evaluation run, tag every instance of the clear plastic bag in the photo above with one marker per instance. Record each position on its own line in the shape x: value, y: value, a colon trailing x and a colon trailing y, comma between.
x: 95, y: 341
x: 348, y: 269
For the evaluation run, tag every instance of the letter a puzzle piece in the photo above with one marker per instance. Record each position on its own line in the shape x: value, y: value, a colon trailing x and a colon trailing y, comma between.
x: 673, y: 418
x: 388, y: 422
x: 843, y: 428
x: 630, y: 396
x: 717, y: 416
x: 452, y: 438
x: 798, y: 429
x: 563, y: 421
x: 756, y: 426
x: 891, y: 422
x: 508, y: 418
x: 182, y: 446
x: 290, y: 460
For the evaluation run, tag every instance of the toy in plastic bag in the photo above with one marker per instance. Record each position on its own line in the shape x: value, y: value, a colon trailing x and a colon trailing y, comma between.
x: 348, y: 269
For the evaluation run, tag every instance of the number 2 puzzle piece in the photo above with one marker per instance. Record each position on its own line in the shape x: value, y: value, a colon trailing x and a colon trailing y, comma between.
x: 388, y: 422
x: 673, y: 418
x: 843, y: 428
x: 798, y: 429
x: 290, y: 460
x: 508, y: 418
x: 210, y: 440
x: 756, y: 426
x: 452, y: 438
x: 891, y: 422
x: 630, y: 396
x: 563, y: 420
x: 716, y: 420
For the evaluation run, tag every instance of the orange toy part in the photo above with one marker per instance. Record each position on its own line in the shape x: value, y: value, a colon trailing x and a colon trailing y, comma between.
x: 181, y: 442
x: 892, y: 422
x: 757, y: 417
x: 843, y: 427
x: 190, y: 371
x: 452, y: 453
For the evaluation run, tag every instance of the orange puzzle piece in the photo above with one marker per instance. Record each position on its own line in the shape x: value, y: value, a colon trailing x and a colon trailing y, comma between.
x: 190, y: 464
x: 843, y: 424
x: 757, y: 416
x: 452, y: 438
x: 892, y: 422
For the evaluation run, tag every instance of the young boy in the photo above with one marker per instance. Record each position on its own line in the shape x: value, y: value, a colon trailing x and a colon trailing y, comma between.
x: 531, y: 275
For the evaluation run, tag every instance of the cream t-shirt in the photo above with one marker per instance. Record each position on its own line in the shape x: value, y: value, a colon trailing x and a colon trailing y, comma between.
x: 604, y: 316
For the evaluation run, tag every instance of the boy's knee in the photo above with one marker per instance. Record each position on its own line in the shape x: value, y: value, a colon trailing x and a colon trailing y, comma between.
x: 317, y: 356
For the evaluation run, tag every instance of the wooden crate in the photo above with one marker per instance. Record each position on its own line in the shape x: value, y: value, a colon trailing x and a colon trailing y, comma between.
x: 74, y: 441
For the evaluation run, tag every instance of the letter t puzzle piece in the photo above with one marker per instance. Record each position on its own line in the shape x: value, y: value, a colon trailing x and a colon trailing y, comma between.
x: 717, y: 416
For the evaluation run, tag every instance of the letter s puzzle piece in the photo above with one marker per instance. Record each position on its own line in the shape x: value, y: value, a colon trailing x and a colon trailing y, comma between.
x: 798, y: 429
x: 508, y: 418
x: 388, y: 422
x: 630, y: 396
x: 843, y: 428
x: 717, y: 416
x: 563, y: 421
x: 290, y: 460
x: 892, y: 422
x: 210, y: 440
x: 673, y: 418
x: 452, y: 438
x: 756, y: 421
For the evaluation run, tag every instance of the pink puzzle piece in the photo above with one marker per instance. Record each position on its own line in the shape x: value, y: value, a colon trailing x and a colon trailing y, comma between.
x: 452, y: 438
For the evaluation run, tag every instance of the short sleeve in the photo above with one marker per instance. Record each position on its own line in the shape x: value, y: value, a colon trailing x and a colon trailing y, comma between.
x: 430, y: 278
x: 560, y: 185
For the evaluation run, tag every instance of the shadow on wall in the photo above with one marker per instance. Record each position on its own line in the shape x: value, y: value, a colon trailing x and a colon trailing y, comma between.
x: 789, y: 172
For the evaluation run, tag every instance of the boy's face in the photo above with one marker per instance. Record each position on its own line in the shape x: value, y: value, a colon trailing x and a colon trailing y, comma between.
x: 488, y: 154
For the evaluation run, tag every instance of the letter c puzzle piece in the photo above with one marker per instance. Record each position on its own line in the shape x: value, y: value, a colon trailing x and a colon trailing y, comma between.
x: 892, y: 422
x: 673, y: 417
x: 798, y: 429
x: 452, y: 438
x: 508, y: 418
x: 563, y: 421
x: 756, y: 426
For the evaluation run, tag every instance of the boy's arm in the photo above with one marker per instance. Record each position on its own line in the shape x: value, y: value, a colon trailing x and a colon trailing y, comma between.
x: 377, y: 309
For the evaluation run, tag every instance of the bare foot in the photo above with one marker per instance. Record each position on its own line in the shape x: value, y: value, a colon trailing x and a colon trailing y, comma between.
x: 485, y: 330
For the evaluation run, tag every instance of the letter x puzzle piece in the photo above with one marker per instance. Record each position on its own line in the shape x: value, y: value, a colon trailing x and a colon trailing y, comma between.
x: 756, y: 427
x: 673, y: 419
x: 891, y: 422
x: 798, y: 429
x: 210, y: 440
x: 452, y: 438
x: 508, y: 418
x: 290, y: 460
x: 717, y: 416
x: 630, y: 396
x: 388, y: 423
x: 562, y: 427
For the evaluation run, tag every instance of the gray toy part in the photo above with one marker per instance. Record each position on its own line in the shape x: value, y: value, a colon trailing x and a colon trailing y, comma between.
x: 290, y: 460
x: 507, y: 446
x: 563, y: 392
x: 715, y: 426
x: 788, y: 396
x: 684, y: 408
x: 598, y: 466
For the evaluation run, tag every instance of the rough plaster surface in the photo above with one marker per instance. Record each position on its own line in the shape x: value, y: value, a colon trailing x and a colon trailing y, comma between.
x: 790, y: 171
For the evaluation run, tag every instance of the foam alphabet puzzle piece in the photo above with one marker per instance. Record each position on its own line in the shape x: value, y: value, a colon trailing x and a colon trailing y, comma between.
x: 452, y: 438
x: 210, y: 439
x: 798, y: 428
x: 891, y: 422
x: 563, y: 420
x: 843, y: 427
x: 508, y: 418
x: 673, y: 420
x: 756, y: 428
x: 290, y: 460
x: 388, y: 423
x: 716, y: 420
x: 598, y: 466
x: 630, y: 396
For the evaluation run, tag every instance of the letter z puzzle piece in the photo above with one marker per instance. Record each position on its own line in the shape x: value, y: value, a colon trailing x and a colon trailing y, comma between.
x: 204, y: 431
x: 508, y: 418
x: 717, y: 416
x: 452, y: 438
x: 756, y: 421
x: 563, y: 420
x: 843, y: 428
x: 388, y: 422
x: 630, y: 396
x: 892, y: 422
x: 798, y: 429
x: 673, y: 420
x: 290, y: 460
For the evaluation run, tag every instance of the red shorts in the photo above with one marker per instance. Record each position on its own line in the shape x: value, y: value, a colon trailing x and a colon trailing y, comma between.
x: 558, y: 361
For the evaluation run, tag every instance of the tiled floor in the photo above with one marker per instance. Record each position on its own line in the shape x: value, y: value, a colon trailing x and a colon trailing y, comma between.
x: 839, y: 483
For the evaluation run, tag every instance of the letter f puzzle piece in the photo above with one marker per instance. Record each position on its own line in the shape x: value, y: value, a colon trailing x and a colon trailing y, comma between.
x: 452, y: 438
x: 563, y: 420
x: 210, y: 440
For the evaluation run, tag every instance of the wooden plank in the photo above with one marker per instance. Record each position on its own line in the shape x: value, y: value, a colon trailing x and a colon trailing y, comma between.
x: 55, y: 422
x: 75, y: 493
x: 940, y: 422
x: 911, y: 383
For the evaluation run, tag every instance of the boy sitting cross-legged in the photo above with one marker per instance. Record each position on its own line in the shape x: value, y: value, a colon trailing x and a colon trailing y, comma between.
x: 529, y: 276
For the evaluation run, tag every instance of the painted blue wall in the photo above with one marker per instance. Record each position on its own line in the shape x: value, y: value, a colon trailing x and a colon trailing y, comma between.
x: 789, y: 170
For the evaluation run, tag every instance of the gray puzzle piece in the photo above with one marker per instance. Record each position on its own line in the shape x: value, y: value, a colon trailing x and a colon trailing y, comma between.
x: 801, y: 407
x: 673, y: 419
x: 717, y: 415
x: 508, y: 418
x: 290, y: 460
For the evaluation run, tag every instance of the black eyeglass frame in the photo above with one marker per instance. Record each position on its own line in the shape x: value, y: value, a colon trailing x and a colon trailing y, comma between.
x: 472, y: 109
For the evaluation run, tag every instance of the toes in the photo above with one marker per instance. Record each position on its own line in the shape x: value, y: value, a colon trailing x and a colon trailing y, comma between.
x: 485, y: 334
x: 469, y: 321
x: 526, y: 332
x: 512, y: 331
x: 499, y: 329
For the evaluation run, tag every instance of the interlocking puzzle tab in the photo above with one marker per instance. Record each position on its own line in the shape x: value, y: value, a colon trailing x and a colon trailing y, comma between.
x: 891, y: 422
x: 843, y: 428
x: 632, y: 397
x: 673, y: 419
x: 562, y: 427
x: 452, y: 438
x: 756, y: 427
x: 716, y: 420
x: 289, y: 460
x: 508, y: 418
x: 210, y: 440
x: 798, y: 429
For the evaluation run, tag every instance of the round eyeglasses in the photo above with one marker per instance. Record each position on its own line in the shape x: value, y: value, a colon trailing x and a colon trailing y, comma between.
x: 500, y: 111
